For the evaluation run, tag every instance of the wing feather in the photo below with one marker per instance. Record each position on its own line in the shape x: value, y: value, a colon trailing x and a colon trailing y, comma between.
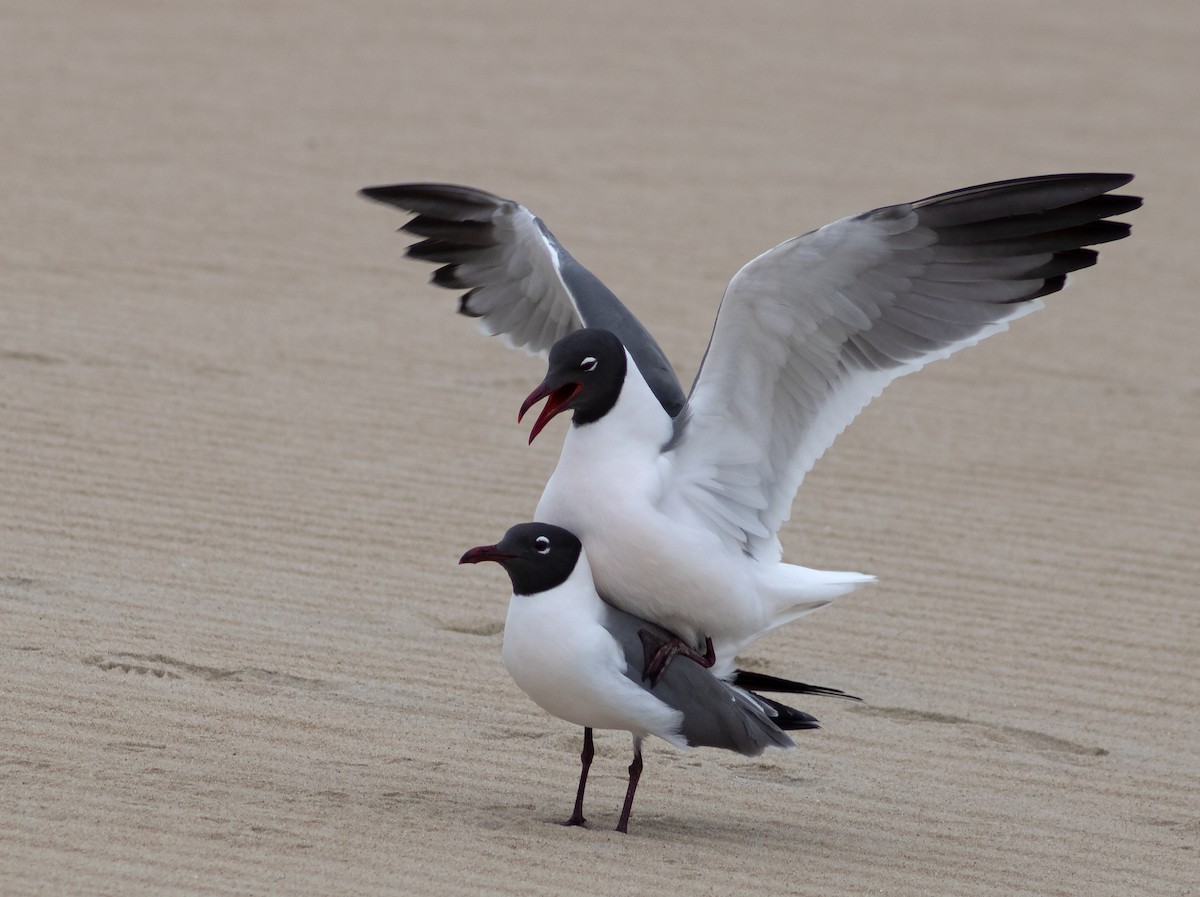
x: 811, y: 331
x: 522, y: 284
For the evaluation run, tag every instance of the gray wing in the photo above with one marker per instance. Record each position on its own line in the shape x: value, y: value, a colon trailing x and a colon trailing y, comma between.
x: 812, y: 330
x: 715, y: 713
x: 522, y: 284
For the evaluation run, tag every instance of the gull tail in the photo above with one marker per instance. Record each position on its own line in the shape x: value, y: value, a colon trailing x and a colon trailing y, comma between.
x: 790, y: 591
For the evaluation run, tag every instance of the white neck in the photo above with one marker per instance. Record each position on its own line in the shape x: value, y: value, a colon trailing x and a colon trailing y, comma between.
x: 637, y: 419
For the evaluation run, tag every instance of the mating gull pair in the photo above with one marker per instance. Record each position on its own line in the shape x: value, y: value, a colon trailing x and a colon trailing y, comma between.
x: 677, y: 499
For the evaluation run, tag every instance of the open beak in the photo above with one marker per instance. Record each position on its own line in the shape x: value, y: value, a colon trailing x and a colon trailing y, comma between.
x: 557, y: 400
x: 484, y: 553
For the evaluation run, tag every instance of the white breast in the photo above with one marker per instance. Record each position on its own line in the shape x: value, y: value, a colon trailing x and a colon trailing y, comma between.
x: 558, y: 653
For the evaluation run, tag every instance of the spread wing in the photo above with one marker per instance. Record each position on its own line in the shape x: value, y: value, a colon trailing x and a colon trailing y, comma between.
x: 809, y: 332
x: 521, y: 283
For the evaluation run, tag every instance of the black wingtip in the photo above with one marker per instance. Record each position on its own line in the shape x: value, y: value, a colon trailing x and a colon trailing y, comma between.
x: 447, y: 277
x: 452, y: 201
x: 382, y: 194
x: 1118, y: 180
x: 757, y: 682
x: 464, y: 305
x: 789, y: 719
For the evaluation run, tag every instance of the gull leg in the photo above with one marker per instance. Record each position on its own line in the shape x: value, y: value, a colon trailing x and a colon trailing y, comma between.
x: 635, y: 773
x: 586, y: 758
x: 660, y: 653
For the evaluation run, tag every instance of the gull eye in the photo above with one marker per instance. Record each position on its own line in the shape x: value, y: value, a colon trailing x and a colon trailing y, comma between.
x: 588, y: 364
x: 542, y: 545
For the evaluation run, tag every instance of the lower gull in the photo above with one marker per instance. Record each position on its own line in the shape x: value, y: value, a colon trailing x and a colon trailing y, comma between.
x: 583, y: 661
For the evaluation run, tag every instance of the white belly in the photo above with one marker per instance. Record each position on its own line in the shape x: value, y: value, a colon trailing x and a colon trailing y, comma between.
x: 674, y: 573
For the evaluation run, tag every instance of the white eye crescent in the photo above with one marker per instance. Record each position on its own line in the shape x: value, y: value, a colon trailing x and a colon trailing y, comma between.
x: 542, y: 545
x: 588, y: 364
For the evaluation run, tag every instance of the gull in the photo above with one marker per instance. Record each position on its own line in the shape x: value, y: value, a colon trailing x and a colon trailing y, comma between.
x: 582, y: 660
x: 678, y: 498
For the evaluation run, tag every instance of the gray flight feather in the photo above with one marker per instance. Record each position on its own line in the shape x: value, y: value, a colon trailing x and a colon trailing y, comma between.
x: 522, y: 283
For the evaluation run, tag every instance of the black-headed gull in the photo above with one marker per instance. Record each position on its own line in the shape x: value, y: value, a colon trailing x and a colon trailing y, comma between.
x: 679, y: 503
x: 582, y: 660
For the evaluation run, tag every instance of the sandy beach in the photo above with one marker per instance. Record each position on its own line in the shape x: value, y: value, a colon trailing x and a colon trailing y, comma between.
x: 244, y: 444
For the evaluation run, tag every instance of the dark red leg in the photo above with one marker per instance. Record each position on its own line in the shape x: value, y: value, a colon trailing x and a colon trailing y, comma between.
x: 586, y: 757
x: 660, y: 653
x: 635, y: 773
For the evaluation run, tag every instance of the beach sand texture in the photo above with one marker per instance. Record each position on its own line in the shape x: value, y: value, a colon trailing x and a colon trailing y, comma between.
x: 244, y: 444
